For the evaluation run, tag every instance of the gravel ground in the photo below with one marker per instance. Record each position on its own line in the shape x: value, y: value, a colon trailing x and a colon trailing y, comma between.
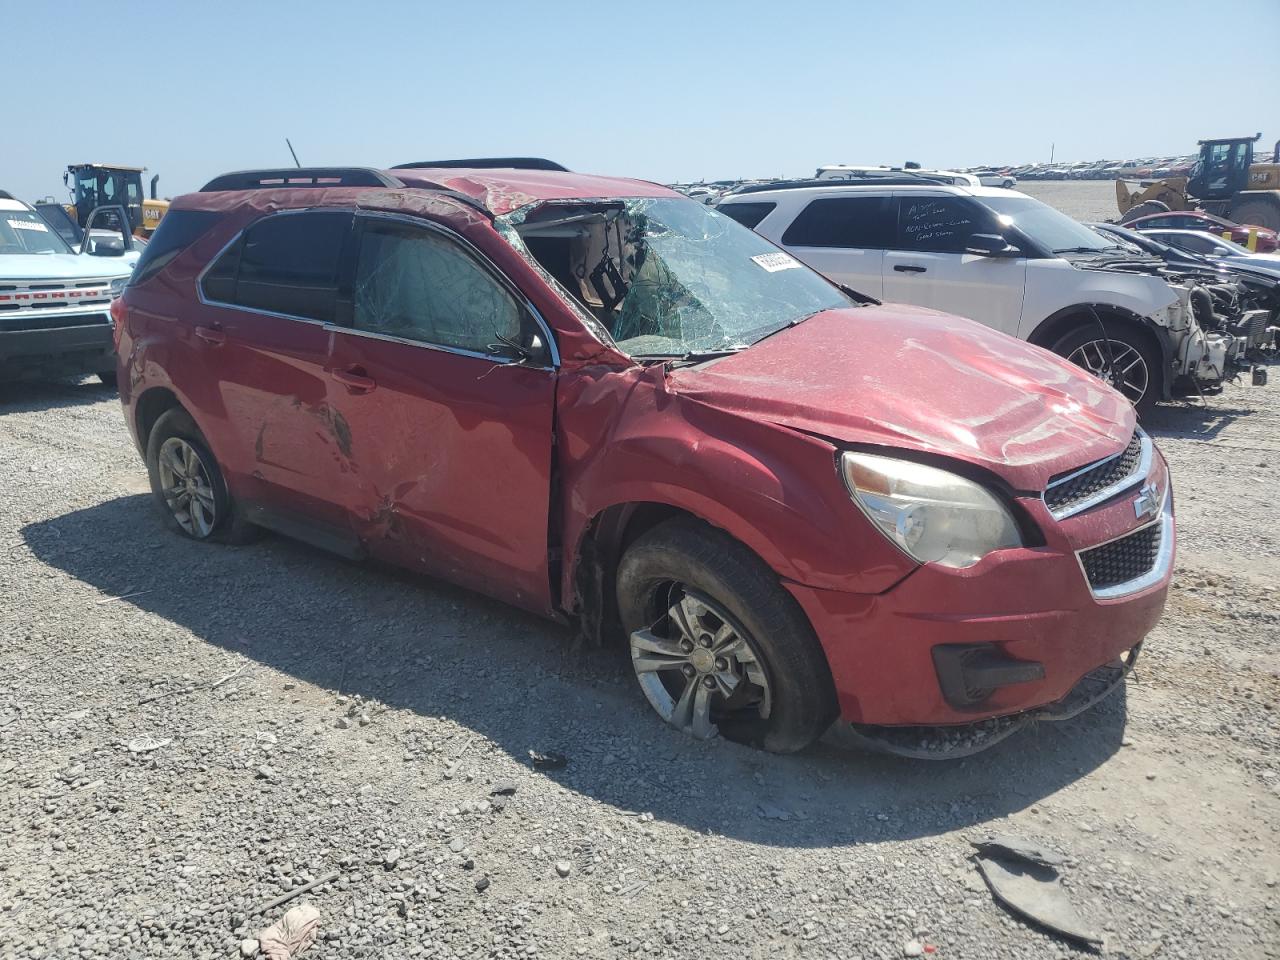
x: 190, y: 731
x: 1082, y: 199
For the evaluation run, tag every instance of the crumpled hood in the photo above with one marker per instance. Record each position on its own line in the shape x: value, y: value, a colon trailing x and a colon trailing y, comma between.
x: 65, y: 266
x: 910, y: 377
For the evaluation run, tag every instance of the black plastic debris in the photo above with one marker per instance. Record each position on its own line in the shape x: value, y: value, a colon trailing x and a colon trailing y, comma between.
x: 1023, y: 876
x: 549, y: 760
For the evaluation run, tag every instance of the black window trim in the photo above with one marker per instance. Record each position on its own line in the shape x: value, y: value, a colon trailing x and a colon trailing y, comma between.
x: 346, y: 270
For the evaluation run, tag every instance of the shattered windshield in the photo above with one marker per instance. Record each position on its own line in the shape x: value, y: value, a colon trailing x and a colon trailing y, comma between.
x: 670, y: 277
x: 23, y: 232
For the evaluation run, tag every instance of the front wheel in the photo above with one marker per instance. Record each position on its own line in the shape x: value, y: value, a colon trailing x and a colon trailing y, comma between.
x: 1119, y: 356
x: 717, y: 645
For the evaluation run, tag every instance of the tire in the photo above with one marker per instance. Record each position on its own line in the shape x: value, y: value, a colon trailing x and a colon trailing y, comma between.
x: 1085, y: 347
x: 783, y: 697
x: 108, y: 378
x: 1258, y: 211
x: 174, y: 439
x: 1144, y: 209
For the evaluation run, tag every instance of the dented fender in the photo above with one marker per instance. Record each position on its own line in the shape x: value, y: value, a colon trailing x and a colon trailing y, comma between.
x: 631, y: 437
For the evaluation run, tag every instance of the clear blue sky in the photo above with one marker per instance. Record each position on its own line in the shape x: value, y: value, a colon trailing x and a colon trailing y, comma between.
x: 658, y: 90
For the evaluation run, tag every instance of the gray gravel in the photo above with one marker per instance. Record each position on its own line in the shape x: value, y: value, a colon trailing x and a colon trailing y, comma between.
x: 247, y: 720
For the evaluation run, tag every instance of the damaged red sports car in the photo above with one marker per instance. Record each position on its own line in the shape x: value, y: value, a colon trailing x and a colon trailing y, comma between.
x: 611, y: 405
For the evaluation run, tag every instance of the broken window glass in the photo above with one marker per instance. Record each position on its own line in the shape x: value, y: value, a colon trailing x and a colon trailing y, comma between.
x: 413, y: 283
x: 667, y: 276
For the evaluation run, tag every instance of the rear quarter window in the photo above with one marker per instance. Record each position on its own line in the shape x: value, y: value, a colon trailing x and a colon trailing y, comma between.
x: 748, y: 214
x: 855, y: 222
x: 177, y: 231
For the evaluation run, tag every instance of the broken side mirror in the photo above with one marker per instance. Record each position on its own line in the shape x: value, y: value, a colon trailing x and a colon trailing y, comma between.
x: 990, y: 245
x: 533, y: 352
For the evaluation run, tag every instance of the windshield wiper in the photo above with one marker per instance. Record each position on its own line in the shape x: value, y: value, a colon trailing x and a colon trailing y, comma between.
x: 1084, y: 249
x: 700, y: 356
x: 863, y: 299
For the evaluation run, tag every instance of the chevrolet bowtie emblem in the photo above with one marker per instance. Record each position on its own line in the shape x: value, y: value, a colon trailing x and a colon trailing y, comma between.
x: 1147, y: 503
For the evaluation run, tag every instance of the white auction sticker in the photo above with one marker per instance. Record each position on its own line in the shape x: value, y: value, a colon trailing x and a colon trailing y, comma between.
x: 773, y: 262
x: 28, y: 225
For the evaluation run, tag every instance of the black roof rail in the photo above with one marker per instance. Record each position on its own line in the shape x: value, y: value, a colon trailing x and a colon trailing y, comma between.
x: 300, y: 177
x: 893, y: 180
x: 6, y: 195
x: 488, y: 163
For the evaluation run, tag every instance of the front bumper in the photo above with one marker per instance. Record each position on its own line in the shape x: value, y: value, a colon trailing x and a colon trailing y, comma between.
x: 1031, y: 612
x: 56, y: 351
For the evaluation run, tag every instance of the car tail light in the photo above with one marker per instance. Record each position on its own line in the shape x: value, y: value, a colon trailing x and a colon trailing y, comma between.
x: 117, y: 320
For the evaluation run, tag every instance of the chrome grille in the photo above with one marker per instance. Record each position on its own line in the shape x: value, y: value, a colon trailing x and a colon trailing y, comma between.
x: 1070, y: 493
x: 1123, y: 560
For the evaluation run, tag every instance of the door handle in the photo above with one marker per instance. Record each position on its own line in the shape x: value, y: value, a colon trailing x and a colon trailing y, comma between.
x: 212, y: 335
x: 909, y: 268
x: 355, y: 379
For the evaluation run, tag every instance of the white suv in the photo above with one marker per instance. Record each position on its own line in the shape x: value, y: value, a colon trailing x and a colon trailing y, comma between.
x: 1001, y: 258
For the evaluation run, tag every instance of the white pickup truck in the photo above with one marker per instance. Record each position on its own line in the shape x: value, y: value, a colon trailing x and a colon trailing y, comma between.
x: 55, y: 301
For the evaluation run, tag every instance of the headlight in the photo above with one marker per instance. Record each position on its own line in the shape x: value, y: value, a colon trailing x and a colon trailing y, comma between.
x: 932, y: 515
x: 118, y: 285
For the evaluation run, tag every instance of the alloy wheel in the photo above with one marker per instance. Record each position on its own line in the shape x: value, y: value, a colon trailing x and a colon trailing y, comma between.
x: 188, y: 492
x: 698, y: 667
x: 1115, y: 362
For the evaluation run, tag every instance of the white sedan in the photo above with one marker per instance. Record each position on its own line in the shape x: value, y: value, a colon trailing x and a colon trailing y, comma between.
x: 1224, y: 251
x: 989, y: 178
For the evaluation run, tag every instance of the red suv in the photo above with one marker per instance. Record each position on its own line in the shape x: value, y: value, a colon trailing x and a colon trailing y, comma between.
x: 613, y: 406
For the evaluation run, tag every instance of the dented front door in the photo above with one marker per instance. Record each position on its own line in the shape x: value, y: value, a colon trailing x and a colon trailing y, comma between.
x: 450, y: 434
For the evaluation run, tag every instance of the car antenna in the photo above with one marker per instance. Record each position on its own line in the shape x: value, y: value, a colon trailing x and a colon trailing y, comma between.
x: 295, y: 155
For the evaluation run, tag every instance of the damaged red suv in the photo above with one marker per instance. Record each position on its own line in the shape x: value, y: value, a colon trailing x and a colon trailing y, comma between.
x: 613, y: 406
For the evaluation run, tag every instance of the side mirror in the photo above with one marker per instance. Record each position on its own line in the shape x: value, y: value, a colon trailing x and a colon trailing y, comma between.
x: 990, y: 245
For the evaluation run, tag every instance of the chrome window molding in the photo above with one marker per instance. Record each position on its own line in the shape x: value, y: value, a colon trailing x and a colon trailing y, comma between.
x: 438, y: 347
x: 1164, y: 557
x: 484, y: 261
x: 1139, y: 474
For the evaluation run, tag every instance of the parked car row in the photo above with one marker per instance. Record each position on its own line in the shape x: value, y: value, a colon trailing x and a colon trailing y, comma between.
x: 614, y: 406
x: 1147, y: 168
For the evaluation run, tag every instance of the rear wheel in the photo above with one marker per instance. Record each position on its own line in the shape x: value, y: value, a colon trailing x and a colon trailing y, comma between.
x: 1119, y: 355
x: 187, y: 483
x: 717, y: 645
x: 1258, y: 211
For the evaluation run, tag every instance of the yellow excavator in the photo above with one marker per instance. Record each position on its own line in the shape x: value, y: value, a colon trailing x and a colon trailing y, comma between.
x: 1224, y: 181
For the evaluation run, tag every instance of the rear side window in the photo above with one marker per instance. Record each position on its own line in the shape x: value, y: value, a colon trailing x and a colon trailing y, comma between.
x: 940, y: 224
x: 858, y: 222
x: 747, y: 214
x: 287, y: 263
x: 177, y: 231
x: 416, y: 284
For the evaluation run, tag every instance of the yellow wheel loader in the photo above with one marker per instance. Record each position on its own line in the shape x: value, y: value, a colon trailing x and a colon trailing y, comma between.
x: 1224, y: 181
x: 96, y: 185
